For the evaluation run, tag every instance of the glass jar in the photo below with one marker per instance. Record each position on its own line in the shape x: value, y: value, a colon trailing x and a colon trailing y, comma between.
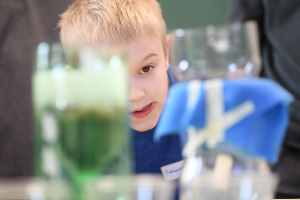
x: 80, y: 110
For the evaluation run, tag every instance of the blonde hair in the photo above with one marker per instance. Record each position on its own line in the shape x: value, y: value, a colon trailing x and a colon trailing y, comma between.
x: 96, y: 22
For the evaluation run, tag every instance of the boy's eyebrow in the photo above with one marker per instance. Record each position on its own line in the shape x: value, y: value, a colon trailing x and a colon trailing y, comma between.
x: 149, y: 55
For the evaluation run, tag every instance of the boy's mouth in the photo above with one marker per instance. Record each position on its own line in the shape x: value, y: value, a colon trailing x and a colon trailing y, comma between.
x: 145, y: 111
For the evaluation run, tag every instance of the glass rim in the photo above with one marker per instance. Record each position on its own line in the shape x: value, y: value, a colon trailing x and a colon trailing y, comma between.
x: 234, y: 25
x: 134, y: 182
x: 207, y: 179
x: 27, y: 187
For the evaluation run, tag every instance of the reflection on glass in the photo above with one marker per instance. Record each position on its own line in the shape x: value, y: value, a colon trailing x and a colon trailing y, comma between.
x: 215, y: 52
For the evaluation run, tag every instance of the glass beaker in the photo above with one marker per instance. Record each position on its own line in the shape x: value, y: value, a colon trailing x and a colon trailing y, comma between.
x: 80, y: 106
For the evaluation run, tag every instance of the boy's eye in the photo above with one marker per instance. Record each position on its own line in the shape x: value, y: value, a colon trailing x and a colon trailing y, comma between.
x: 146, y: 70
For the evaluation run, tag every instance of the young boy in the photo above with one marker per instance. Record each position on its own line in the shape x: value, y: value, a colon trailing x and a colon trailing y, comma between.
x: 138, y: 29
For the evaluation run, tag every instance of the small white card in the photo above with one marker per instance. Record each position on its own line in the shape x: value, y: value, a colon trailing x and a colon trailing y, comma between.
x: 172, y: 171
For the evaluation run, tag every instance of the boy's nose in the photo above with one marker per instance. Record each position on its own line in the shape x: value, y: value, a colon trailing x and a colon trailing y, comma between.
x: 136, y: 92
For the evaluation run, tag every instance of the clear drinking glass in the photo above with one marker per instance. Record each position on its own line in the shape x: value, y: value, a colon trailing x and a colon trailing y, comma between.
x: 80, y: 107
x: 215, y: 52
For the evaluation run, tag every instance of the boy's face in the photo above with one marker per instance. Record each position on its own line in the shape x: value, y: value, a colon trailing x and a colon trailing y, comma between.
x: 148, y: 67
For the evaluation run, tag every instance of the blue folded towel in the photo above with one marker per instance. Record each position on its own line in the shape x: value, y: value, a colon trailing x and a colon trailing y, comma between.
x: 245, y: 117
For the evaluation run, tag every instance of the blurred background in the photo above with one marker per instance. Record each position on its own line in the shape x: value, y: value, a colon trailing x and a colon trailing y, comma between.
x: 26, y: 23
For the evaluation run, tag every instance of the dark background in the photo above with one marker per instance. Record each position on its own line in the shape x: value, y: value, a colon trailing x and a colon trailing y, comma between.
x: 194, y: 13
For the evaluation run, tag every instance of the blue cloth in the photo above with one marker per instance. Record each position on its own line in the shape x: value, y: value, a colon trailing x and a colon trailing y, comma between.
x: 258, y: 135
x: 150, y: 156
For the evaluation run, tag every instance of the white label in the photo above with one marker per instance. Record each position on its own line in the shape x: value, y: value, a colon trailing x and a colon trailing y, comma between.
x: 172, y: 171
x: 49, y: 128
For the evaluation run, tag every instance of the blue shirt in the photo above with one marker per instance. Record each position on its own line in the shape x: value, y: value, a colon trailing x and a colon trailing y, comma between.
x: 151, y: 156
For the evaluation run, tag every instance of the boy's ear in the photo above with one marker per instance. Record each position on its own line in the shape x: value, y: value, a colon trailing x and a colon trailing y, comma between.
x: 167, y: 50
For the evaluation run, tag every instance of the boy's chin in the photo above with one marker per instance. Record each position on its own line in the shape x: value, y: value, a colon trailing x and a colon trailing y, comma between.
x: 142, y: 127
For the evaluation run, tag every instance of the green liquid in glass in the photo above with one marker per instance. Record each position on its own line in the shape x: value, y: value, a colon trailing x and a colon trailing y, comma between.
x: 90, y: 143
